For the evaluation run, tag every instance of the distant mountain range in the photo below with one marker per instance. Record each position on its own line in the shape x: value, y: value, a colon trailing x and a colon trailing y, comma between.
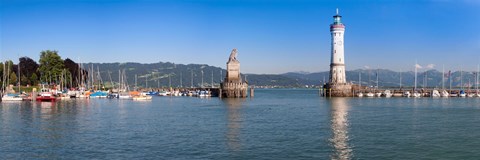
x: 164, y: 74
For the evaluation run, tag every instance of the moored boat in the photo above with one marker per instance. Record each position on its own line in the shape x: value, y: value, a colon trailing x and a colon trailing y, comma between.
x: 444, y: 94
x: 435, y: 93
x: 370, y: 94
x: 359, y: 94
x: 387, y: 93
x: 46, y: 96
x: 407, y: 94
x: 416, y: 94
x: 99, y: 94
x: 462, y: 94
x: 11, y: 97
x: 142, y: 97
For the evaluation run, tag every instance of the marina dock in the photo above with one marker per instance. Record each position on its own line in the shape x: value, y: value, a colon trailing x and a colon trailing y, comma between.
x: 408, y: 92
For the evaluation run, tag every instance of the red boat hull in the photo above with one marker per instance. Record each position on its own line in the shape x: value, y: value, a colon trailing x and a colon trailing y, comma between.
x: 46, y: 99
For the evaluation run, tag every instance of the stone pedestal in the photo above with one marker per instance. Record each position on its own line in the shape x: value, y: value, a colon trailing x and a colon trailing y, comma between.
x: 234, y: 90
x: 338, y: 90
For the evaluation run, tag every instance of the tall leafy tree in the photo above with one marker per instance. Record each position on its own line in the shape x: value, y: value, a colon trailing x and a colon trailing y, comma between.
x: 13, y: 78
x: 24, y: 80
x: 34, y: 79
x: 74, y: 70
x: 8, y: 70
x: 51, y: 65
x: 1, y: 73
x: 27, y: 66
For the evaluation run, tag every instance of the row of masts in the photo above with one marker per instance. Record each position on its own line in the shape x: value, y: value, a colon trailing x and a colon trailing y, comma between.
x: 425, y: 79
x: 96, y: 82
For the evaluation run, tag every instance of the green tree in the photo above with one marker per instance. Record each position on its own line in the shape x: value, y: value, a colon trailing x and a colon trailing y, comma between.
x: 27, y: 66
x: 1, y: 68
x: 24, y: 80
x: 51, y: 64
x: 13, y: 78
x: 34, y: 79
x: 7, y: 71
x: 1, y: 73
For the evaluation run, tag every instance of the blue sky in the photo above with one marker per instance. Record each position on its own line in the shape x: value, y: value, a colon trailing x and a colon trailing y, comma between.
x: 272, y: 36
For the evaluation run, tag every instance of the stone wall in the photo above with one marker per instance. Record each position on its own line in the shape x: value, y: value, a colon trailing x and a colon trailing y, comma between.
x: 234, y: 90
x: 338, y: 90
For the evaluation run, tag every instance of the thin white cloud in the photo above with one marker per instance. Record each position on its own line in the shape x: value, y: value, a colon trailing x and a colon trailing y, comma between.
x: 418, y: 66
x: 430, y: 66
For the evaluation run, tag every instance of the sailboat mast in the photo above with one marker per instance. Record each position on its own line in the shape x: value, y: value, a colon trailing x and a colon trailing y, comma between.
x: 415, y: 86
x: 400, y: 79
x: 8, y: 76
x: 3, y: 80
x: 359, y: 79
x: 19, y: 78
x: 478, y: 68
x: 461, y: 78
x: 426, y: 79
x: 91, y: 75
x: 377, y: 80
x: 450, y: 80
x: 99, y: 78
x: 443, y: 77
x: 119, y: 82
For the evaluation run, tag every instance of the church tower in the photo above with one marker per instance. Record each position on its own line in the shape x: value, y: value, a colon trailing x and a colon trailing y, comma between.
x: 337, y: 63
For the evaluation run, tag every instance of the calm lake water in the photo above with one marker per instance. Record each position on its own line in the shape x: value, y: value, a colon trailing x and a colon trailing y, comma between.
x: 276, y: 124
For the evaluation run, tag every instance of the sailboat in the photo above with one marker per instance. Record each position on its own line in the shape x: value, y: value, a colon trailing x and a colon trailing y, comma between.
x: 470, y: 94
x: 476, y: 81
x: 415, y: 93
x: 359, y: 94
x: 13, y: 96
x: 378, y: 94
x: 370, y: 94
x: 407, y: 94
x: 123, y: 91
x: 462, y: 92
x: 387, y: 93
x: 435, y: 93
x: 399, y: 94
x: 444, y: 92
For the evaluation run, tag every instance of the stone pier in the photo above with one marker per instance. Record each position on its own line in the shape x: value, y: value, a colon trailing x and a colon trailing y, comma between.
x: 338, y: 90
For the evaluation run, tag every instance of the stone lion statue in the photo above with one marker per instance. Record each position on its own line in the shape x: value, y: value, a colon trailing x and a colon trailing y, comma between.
x: 233, y: 55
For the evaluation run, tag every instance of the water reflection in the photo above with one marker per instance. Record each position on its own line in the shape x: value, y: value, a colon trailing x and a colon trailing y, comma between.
x: 339, y: 126
x: 234, y: 123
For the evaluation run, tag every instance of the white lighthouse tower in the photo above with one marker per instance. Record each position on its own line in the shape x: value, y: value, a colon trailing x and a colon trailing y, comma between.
x: 337, y: 63
x: 337, y: 85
